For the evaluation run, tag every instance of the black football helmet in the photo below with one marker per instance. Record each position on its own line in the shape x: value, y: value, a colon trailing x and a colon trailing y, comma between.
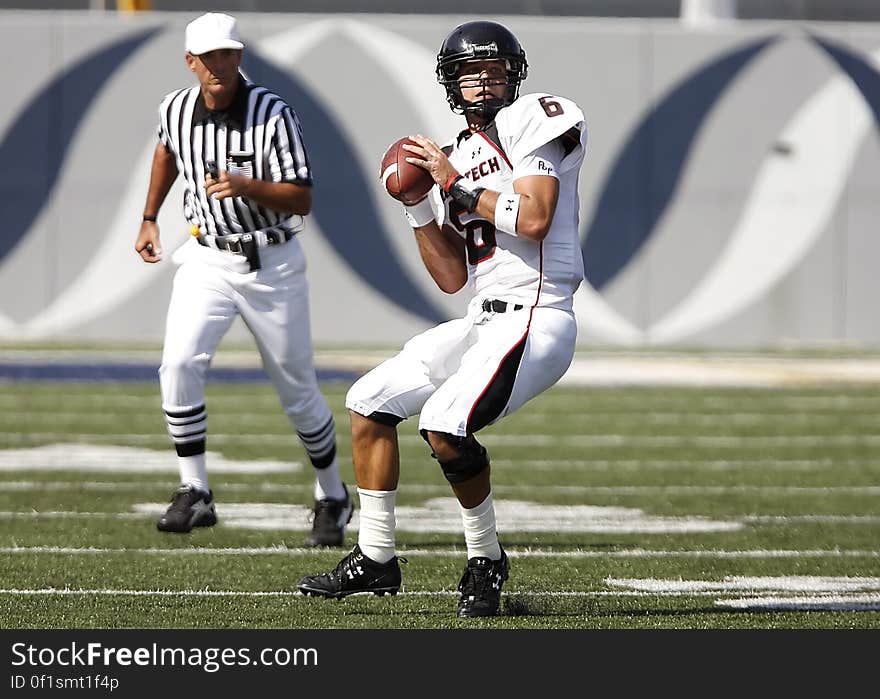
x: 480, y: 40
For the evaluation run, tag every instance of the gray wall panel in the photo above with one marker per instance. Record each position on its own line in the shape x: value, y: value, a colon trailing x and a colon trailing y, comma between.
x: 664, y: 195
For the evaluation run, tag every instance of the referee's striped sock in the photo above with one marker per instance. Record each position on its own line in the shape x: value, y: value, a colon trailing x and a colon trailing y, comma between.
x: 187, y: 426
x: 320, y: 445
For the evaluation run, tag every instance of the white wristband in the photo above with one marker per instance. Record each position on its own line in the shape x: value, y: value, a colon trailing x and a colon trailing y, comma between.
x: 420, y: 214
x: 506, y: 211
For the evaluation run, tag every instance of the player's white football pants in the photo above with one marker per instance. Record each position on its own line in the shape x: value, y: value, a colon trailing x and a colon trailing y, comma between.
x: 211, y: 287
x: 467, y: 373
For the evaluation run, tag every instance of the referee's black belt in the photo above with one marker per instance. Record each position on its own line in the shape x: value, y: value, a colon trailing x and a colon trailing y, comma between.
x: 238, y: 242
x: 496, y: 306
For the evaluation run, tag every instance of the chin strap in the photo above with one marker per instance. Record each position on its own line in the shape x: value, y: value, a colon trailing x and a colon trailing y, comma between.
x: 487, y: 109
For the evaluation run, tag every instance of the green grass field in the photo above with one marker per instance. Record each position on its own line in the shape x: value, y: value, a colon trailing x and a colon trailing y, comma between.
x: 620, y: 508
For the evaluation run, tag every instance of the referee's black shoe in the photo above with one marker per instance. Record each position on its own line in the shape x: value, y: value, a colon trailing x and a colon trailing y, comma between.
x: 329, y: 518
x: 480, y: 586
x: 354, y: 573
x: 190, y: 507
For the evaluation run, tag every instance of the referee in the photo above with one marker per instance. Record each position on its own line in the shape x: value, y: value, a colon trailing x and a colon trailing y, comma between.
x: 247, y: 187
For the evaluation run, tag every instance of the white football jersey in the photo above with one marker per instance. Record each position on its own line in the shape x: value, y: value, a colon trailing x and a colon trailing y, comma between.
x: 512, y: 268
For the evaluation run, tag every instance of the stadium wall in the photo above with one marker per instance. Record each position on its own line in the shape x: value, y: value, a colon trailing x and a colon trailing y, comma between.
x: 728, y: 198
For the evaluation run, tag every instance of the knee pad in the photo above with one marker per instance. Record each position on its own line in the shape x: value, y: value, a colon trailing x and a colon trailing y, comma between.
x: 474, y: 458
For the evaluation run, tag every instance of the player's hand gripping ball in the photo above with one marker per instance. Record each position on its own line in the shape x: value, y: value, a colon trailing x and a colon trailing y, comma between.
x: 404, y: 181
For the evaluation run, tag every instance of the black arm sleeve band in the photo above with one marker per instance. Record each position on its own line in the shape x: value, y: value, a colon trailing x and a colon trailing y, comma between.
x: 466, y: 197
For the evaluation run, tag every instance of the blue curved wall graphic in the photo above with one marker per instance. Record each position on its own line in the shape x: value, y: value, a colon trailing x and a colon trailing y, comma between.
x: 866, y: 78
x: 810, y: 272
x: 43, y: 124
x: 646, y: 173
x: 341, y: 196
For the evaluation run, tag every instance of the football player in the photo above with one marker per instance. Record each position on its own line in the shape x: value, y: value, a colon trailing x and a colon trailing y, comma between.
x: 503, y: 219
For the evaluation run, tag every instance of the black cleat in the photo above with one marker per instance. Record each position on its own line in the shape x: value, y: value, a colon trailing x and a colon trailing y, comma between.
x: 480, y: 586
x: 329, y: 520
x: 189, y: 508
x: 355, y: 573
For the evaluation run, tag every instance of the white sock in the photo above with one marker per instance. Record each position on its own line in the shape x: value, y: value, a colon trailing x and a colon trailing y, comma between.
x: 377, y: 523
x: 193, y: 471
x: 328, y: 483
x: 479, y: 530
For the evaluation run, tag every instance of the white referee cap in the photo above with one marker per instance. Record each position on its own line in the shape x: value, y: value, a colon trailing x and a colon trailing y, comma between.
x: 212, y: 31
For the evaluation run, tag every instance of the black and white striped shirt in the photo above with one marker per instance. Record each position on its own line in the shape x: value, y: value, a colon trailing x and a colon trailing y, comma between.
x: 258, y: 135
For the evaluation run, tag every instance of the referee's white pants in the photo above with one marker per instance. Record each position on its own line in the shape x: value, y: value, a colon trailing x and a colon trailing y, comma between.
x: 211, y: 287
x: 468, y: 373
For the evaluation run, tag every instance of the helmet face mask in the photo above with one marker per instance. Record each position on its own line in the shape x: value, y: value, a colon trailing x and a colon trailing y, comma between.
x: 480, y: 41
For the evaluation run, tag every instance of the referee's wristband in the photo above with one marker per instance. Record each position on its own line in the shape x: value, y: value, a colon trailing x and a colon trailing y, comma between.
x: 463, y: 192
x: 152, y: 219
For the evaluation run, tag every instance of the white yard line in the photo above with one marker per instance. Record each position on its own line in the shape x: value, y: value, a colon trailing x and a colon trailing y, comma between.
x: 127, y: 460
x: 769, y: 593
x: 451, y: 552
x: 839, y: 602
x: 735, y: 583
x: 714, y: 370
x: 285, y: 593
x: 430, y: 518
x: 436, y: 515
x: 823, y: 603
x: 440, y: 489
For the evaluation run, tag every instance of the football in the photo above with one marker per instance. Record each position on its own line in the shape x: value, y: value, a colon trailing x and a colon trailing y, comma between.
x: 404, y: 181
